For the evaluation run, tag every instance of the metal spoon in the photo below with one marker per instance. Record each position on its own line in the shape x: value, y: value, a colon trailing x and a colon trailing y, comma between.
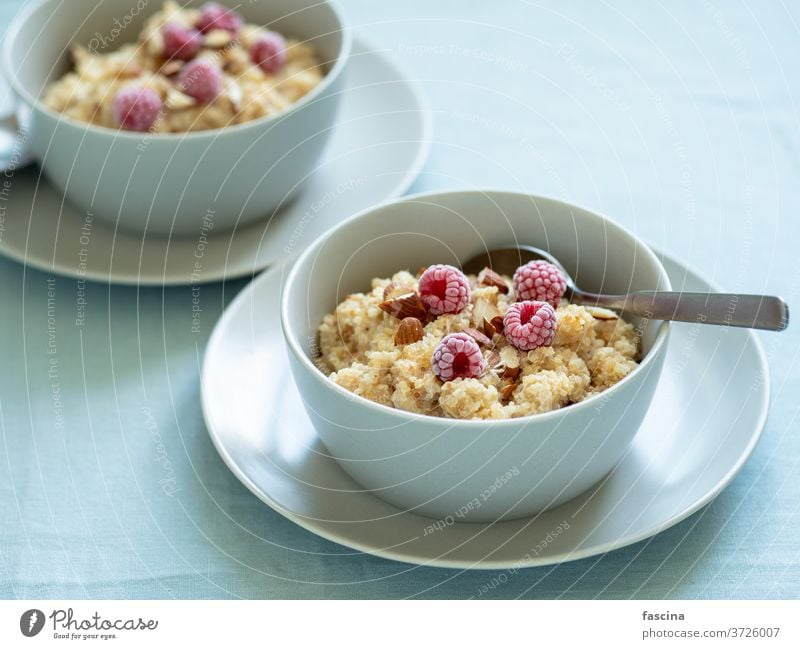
x: 733, y: 309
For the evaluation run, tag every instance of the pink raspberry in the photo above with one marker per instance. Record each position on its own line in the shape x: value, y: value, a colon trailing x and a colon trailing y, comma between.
x: 530, y: 324
x: 180, y: 42
x: 457, y: 356
x: 540, y: 280
x: 215, y: 16
x: 444, y: 289
x: 201, y: 80
x: 136, y: 108
x: 269, y: 52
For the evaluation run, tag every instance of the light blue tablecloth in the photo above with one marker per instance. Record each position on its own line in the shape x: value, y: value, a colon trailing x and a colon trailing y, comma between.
x: 680, y: 119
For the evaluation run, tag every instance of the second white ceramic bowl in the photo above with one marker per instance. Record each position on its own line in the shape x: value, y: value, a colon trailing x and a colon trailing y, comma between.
x: 173, y: 183
x: 471, y: 470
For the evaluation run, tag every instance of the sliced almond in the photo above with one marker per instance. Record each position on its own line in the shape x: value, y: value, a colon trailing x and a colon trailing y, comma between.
x: 478, y: 336
x: 171, y: 68
x: 394, y: 290
x: 409, y: 331
x: 235, y: 95
x: 512, y: 373
x: 507, y: 391
x: 493, y: 359
x: 408, y: 305
x: 130, y: 70
x: 497, y: 323
x: 488, y: 277
x: 176, y: 100
x: 483, y: 311
x: 155, y: 44
x: 217, y: 38
x: 510, y: 356
x: 599, y: 313
x: 421, y: 271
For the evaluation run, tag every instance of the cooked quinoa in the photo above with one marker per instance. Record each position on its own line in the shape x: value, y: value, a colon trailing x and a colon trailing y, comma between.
x: 593, y: 349
x: 87, y: 92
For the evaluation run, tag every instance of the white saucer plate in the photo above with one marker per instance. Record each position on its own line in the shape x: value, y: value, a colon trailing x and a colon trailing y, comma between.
x: 705, y: 421
x: 380, y: 143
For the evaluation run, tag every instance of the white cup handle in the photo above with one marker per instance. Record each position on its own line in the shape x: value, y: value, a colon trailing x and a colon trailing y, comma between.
x: 15, y: 151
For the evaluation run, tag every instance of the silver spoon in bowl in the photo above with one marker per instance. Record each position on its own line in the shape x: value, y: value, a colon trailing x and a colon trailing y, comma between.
x: 733, y: 309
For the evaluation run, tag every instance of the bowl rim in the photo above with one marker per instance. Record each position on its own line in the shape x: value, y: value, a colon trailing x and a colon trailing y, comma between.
x: 656, y: 351
x: 36, y: 103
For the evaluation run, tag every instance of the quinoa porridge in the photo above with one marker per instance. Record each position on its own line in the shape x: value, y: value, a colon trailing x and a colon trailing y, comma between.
x: 487, y: 347
x: 190, y: 70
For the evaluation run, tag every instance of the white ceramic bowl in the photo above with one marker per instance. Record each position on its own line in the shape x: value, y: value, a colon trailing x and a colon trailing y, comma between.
x: 456, y: 470
x: 172, y: 182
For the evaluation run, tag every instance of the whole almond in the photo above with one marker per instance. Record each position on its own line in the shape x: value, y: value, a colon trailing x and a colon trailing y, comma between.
x: 409, y: 331
x: 407, y: 305
x: 488, y: 277
x: 478, y: 336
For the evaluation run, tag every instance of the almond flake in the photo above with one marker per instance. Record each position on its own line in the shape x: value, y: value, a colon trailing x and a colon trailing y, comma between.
x: 217, y: 38
x: 176, y: 100
x: 130, y: 70
x: 478, y: 336
x: 393, y: 290
x: 507, y: 391
x: 408, y: 305
x: 488, y: 277
x: 171, y: 68
x: 599, y: 313
x: 509, y: 356
x: 154, y: 44
x: 235, y: 95
x: 483, y: 311
x: 497, y: 323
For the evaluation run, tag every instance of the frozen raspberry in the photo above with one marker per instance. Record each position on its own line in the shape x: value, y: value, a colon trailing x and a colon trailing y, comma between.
x: 201, y: 80
x: 180, y: 42
x: 444, y: 289
x: 539, y: 280
x: 215, y: 16
x: 136, y: 109
x: 457, y: 356
x: 269, y: 52
x: 530, y: 324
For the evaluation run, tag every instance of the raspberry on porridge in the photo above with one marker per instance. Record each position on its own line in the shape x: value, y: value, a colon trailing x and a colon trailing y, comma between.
x: 530, y: 324
x: 207, y: 68
x: 444, y: 344
x: 540, y: 280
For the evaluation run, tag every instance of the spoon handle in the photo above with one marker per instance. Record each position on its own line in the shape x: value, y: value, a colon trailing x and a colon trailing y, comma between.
x: 733, y: 309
